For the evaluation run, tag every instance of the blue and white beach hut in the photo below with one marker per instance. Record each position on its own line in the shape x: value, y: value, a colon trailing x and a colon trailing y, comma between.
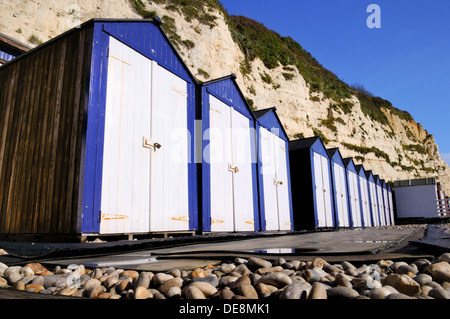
x: 354, y: 196
x: 229, y: 193
x: 363, y: 186
x: 340, y: 194
x: 112, y: 118
x: 373, y: 199
x: 275, y: 200
x: 311, y: 184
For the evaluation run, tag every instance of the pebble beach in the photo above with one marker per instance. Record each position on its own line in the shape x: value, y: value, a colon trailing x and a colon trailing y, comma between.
x: 243, y: 278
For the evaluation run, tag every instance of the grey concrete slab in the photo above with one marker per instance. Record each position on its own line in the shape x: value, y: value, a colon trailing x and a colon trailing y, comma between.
x: 437, y: 237
x: 314, y: 243
x: 141, y: 260
x: 368, y: 241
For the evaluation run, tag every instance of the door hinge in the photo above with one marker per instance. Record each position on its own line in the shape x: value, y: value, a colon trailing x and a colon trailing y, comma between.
x: 99, y: 216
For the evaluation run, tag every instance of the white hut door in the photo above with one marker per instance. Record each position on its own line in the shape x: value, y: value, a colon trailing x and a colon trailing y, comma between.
x: 391, y: 207
x: 354, y: 199
x: 126, y: 165
x: 365, y: 202
x: 373, y: 198
x: 340, y: 193
x: 327, y: 191
x: 268, y: 177
x: 169, y: 201
x: 381, y: 205
x: 323, y: 193
x: 386, y: 207
x: 282, y: 184
x: 220, y: 156
x: 242, y: 176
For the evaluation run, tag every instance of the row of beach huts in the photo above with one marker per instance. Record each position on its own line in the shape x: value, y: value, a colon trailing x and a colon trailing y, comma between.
x: 105, y: 131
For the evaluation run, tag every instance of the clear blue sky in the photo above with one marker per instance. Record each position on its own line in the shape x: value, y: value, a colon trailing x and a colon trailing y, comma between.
x: 406, y: 61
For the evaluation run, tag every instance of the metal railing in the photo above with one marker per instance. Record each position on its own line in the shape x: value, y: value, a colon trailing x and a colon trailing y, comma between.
x: 443, y: 207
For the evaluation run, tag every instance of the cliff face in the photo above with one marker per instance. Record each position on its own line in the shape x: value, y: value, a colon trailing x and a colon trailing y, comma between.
x: 395, y: 148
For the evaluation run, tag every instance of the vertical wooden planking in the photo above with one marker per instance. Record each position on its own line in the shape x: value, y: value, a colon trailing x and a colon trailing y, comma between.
x: 28, y: 213
x: 18, y: 154
x: 7, y: 111
x: 43, y: 148
x: 50, y: 219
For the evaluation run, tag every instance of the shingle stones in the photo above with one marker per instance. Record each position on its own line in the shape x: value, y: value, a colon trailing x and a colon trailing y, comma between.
x: 252, y: 278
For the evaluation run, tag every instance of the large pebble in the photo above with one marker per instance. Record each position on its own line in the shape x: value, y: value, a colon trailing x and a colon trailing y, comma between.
x: 242, y: 270
x: 18, y: 285
x: 342, y: 292
x: 38, y: 269
x: 166, y: 285
x: 445, y: 257
x: 259, y: 263
x: 346, y: 265
x: 144, y: 279
x: 132, y: 273
x: 211, y: 279
x: 422, y: 279
x: 159, y: 278
x: 403, y: 283
x: 277, y: 279
x: 438, y: 293
x: 226, y: 293
x: 318, y: 291
x: 207, y: 289
x: 13, y: 277
x: 296, y: 291
x: 398, y: 296
x: 227, y: 268
x: 199, y: 272
x: 34, y: 287
x: 263, y: 271
x: 265, y: 290
x: 248, y: 291
x: 11, y: 269
x: 241, y: 280
x: 192, y: 292
x: 405, y: 269
x: 3, y: 282
x: 173, y: 292
x: 379, y: 293
x: 142, y: 293
x: 440, y: 271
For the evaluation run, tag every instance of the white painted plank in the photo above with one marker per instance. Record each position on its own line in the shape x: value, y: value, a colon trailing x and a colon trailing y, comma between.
x: 243, y: 178
x: 221, y: 178
x: 169, y: 164
x: 319, y: 192
x: 268, y: 176
x: 284, y: 210
x: 327, y: 191
x: 125, y: 180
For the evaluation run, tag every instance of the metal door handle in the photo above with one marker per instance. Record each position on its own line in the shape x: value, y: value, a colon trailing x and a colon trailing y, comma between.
x: 147, y: 144
x: 276, y: 182
x: 232, y: 168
